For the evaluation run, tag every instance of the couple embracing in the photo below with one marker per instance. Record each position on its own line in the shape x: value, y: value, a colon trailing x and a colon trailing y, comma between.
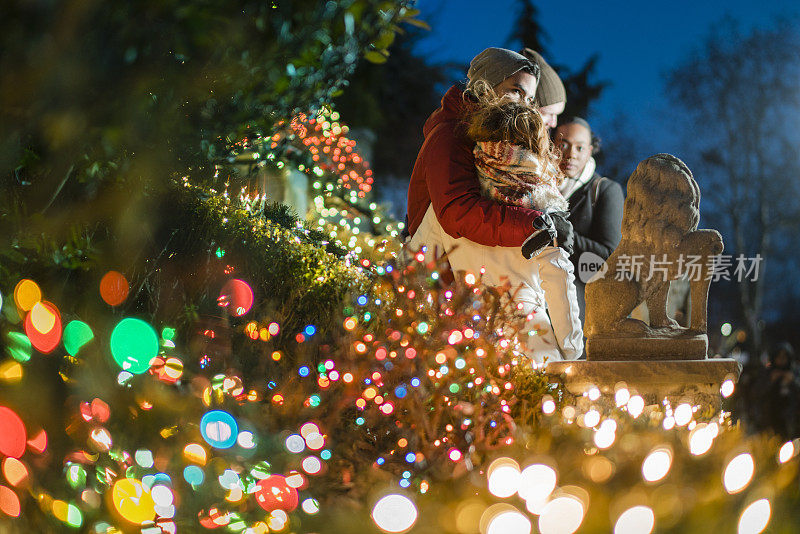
x: 486, y: 190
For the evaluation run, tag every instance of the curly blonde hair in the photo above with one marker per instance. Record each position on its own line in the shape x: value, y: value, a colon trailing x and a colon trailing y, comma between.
x: 498, y: 118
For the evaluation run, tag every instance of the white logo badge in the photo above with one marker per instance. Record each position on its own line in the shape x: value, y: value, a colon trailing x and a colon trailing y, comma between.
x: 590, y: 265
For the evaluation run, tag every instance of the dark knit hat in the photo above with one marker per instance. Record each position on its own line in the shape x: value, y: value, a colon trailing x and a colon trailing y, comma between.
x: 494, y: 65
x: 551, y: 89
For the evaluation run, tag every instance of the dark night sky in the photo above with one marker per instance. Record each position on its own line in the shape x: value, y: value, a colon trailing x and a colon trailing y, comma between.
x: 637, y: 42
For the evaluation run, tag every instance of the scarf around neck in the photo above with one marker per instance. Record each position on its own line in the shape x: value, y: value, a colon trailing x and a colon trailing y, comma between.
x: 570, y: 185
x: 515, y: 175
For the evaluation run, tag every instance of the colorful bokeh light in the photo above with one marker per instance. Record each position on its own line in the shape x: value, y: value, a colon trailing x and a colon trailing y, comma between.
x: 219, y: 429
x: 43, y: 327
x: 76, y: 335
x: 134, y: 344
x: 237, y: 297
x: 12, y: 433
x: 114, y: 288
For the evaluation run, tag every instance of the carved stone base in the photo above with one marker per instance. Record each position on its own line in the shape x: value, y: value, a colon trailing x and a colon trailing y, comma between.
x: 620, y: 347
x: 653, y: 380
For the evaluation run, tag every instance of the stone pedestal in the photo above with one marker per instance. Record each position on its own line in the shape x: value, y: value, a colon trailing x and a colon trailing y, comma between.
x: 652, y: 379
x: 667, y: 347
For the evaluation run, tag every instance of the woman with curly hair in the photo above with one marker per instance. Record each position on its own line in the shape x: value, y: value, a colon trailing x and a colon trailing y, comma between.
x: 517, y: 165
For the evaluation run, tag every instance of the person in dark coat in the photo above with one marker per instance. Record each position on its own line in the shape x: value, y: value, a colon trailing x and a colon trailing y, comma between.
x: 595, y: 203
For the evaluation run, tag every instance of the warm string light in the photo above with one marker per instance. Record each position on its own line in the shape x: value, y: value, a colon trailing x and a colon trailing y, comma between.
x: 412, y: 350
x: 341, y: 178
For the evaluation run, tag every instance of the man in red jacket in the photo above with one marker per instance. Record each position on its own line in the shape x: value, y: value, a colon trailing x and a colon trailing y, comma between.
x: 444, y: 174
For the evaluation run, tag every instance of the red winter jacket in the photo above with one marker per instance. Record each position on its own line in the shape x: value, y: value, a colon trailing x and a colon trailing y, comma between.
x: 444, y: 175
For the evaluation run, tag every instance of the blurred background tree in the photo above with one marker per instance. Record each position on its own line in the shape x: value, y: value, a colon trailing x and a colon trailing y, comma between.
x: 581, y: 84
x: 739, y: 105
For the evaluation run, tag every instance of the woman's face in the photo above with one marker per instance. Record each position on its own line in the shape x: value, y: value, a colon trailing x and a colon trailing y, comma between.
x: 575, y: 143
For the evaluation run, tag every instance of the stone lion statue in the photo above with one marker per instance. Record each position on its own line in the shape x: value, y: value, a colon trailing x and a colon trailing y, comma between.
x: 660, y: 243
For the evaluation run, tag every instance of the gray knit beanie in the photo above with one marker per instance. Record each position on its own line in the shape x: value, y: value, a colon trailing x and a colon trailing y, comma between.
x: 550, y: 89
x: 494, y: 65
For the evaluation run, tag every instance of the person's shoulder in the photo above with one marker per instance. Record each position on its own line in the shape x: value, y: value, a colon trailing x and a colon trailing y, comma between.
x: 448, y: 135
x: 607, y: 185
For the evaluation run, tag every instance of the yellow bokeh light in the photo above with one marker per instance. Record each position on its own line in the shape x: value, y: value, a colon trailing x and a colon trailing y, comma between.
x: 468, y: 514
x: 42, y: 318
x: 27, y: 294
x: 598, y: 469
x: 195, y: 453
x: 133, y: 502
x: 11, y: 371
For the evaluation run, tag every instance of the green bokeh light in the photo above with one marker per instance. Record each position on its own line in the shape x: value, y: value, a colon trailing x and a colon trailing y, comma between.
x: 76, y: 335
x: 19, y: 346
x: 134, y: 344
x: 74, y: 516
x: 76, y: 475
x: 168, y: 333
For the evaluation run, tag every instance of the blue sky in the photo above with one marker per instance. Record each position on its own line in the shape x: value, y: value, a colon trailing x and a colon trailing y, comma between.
x: 637, y: 43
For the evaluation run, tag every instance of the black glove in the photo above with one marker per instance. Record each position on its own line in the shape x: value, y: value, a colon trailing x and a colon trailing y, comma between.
x: 543, y: 235
x: 565, y: 237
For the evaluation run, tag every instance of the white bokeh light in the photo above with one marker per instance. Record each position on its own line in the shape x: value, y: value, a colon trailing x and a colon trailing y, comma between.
x: 786, y: 453
x: 562, y: 515
x: 394, y: 513
x: 312, y: 465
x: 701, y: 438
x: 622, y: 396
x: 504, y: 477
x: 683, y: 414
x: 635, y: 406
x: 635, y: 520
x: 657, y: 465
x: 738, y: 473
x: 755, y: 517
x: 310, y: 506
x: 295, y: 443
x: 509, y: 522
x: 604, y: 438
x: 591, y: 418
x: 537, y: 482
x: 727, y: 387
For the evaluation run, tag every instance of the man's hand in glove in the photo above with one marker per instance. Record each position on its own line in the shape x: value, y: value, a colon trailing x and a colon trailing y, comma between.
x: 544, y: 232
x: 565, y: 237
